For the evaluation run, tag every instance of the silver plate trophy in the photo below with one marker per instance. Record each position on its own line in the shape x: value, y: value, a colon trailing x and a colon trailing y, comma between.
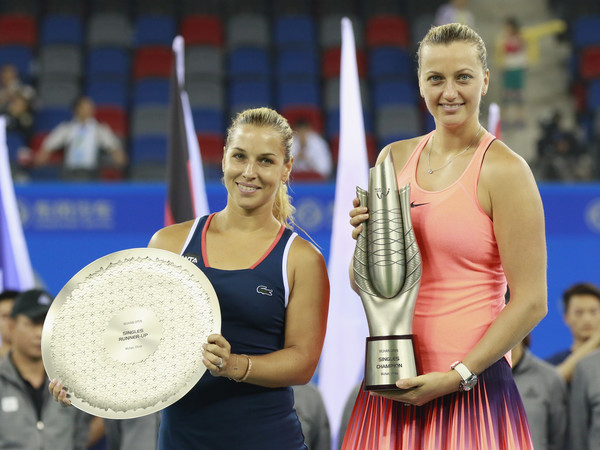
x: 125, y: 334
x: 387, y: 271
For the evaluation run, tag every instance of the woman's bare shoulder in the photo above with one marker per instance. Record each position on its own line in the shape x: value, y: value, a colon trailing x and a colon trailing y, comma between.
x: 172, y: 237
x: 501, y: 162
x: 401, y: 151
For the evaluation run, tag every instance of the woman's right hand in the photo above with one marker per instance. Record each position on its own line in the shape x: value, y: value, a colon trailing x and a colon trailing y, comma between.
x: 357, y: 216
x: 59, y: 393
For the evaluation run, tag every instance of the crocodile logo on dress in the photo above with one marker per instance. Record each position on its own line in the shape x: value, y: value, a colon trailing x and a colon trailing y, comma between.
x: 264, y: 290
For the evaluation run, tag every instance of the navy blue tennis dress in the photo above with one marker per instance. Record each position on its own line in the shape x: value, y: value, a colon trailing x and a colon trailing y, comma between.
x: 219, y: 413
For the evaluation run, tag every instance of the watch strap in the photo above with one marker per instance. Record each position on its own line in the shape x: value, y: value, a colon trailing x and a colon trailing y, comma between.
x: 462, y: 370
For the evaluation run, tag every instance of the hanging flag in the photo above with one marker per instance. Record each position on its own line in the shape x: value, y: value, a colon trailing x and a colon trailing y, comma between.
x: 494, y: 120
x: 15, y: 266
x: 186, y: 193
x: 342, y: 362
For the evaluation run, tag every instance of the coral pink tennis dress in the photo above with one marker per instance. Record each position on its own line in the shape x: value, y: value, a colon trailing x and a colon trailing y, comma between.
x: 462, y: 292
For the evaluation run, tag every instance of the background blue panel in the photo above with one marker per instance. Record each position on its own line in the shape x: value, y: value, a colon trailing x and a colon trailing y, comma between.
x: 67, y: 226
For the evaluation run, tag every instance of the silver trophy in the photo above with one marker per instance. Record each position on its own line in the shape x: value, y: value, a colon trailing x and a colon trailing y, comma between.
x: 387, y: 271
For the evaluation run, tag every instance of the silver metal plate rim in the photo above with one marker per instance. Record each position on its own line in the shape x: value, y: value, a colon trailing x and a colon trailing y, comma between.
x: 102, y: 263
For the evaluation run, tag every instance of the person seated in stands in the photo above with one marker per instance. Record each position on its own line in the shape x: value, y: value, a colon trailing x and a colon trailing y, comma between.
x: 83, y: 140
x: 11, y: 85
x: 560, y: 155
x: 310, y: 151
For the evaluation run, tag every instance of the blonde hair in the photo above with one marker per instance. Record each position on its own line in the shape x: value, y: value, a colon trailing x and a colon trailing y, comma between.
x: 453, y: 32
x: 283, y: 210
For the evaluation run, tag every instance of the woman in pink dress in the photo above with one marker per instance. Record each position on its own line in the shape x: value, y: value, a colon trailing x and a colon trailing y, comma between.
x: 479, y: 224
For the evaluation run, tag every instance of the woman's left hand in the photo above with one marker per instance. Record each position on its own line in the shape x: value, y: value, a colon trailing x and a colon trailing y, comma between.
x: 217, y: 352
x: 424, y: 388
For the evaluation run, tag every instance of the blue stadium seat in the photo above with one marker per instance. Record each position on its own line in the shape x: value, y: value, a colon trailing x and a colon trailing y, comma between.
x: 298, y: 93
x: 390, y: 62
x: 396, y: 92
x: 154, y: 30
x: 108, y: 92
x: 593, y: 97
x: 245, y: 93
x: 151, y: 91
x: 148, y: 149
x: 19, y: 56
x: 299, y: 64
x: 209, y: 120
x: 61, y: 29
x: 108, y: 63
x: 48, y: 118
x: 585, y: 31
x: 249, y: 62
x: 295, y: 31
x: 14, y: 141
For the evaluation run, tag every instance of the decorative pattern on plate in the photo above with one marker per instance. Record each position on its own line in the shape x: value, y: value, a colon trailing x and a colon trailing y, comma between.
x: 129, y: 335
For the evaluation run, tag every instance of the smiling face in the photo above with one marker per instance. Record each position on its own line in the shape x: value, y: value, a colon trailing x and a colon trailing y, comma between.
x: 254, y: 167
x: 452, y: 81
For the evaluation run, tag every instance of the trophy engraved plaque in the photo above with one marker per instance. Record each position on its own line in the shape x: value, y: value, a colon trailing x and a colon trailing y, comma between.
x: 125, y: 334
x: 387, y: 271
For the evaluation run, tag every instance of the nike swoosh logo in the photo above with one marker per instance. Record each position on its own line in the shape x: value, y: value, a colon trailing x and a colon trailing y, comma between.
x: 414, y: 205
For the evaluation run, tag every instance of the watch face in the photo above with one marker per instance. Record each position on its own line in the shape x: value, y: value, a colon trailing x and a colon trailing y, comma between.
x: 469, y: 383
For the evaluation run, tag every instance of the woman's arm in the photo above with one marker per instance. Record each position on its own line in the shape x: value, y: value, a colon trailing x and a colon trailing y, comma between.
x: 305, y: 324
x: 516, y: 210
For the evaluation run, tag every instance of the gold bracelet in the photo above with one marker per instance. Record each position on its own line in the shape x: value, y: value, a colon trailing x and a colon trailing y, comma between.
x: 247, y: 371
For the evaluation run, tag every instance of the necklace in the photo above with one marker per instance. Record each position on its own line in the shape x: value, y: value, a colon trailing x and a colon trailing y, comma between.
x: 452, y: 159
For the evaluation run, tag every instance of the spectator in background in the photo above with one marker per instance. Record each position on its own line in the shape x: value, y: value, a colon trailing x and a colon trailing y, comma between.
x: 560, y: 156
x: 455, y: 11
x: 310, y: 151
x: 511, y: 52
x: 19, y: 116
x: 7, y: 299
x: 83, y: 139
x: 581, y: 304
x: 544, y: 395
x: 10, y: 85
x: 310, y: 408
x: 28, y: 417
x: 584, y: 408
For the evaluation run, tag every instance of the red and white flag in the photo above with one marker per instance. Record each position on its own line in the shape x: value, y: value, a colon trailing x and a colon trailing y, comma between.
x: 186, y: 192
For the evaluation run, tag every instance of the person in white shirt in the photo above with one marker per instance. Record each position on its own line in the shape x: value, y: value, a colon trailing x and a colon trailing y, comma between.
x: 310, y: 151
x: 82, y: 139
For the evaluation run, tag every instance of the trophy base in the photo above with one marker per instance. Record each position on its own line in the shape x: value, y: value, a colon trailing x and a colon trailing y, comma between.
x: 388, y: 359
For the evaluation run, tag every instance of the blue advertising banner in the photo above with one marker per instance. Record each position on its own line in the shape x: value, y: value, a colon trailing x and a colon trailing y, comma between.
x: 67, y: 226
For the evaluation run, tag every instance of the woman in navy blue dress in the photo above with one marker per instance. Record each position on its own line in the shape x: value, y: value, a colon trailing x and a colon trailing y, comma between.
x: 273, y: 292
